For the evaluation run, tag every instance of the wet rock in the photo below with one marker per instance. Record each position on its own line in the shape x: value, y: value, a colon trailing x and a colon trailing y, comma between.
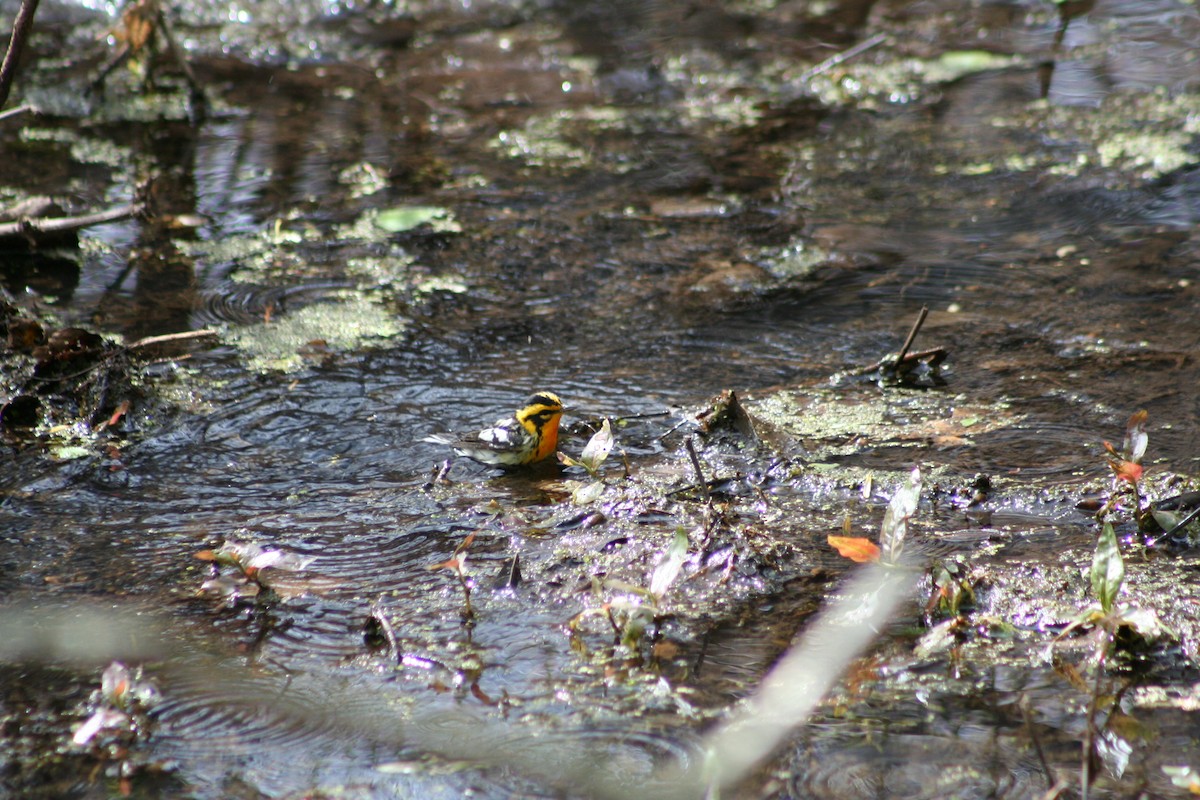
x: 721, y: 284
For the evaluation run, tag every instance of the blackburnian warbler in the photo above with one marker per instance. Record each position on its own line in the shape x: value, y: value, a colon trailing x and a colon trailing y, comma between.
x: 528, y: 436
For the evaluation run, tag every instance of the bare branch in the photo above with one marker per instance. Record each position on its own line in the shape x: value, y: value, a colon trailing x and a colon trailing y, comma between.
x: 21, y: 27
x: 31, y: 229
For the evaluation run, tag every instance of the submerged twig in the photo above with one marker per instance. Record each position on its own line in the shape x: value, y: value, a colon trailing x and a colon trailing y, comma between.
x: 1037, y: 742
x: 845, y: 55
x: 646, y: 415
x: 700, y: 479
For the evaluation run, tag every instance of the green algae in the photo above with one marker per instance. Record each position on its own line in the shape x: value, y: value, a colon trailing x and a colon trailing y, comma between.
x: 363, y: 179
x: 376, y: 225
x: 345, y: 321
x: 404, y: 218
x: 258, y: 254
x: 830, y: 423
x: 84, y: 149
x: 797, y: 259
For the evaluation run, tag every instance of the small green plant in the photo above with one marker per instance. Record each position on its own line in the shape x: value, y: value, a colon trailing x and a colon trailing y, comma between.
x: 248, y: 570
x: 595, y: 452
x: 121, y: 719
x: 634, y: 609
x: 1106, y: 616
x: 953, y: 590
x: 1126, y: 465
x: 893, y: 530
x: 458, y: 564
x: 1114, y: 627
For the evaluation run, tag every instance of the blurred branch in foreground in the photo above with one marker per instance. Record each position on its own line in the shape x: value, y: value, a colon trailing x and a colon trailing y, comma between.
x: 804, y: 675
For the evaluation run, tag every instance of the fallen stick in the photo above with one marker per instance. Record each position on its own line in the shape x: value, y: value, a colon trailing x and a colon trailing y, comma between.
x: 894, y: 363
x: 171, y: 337
x: 912, y: 334
x: 32, y: 228
x: 15, y: 112
x: 845, y: 55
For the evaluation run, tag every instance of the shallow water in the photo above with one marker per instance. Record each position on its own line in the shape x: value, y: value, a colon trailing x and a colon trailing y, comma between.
x: 653, y: 207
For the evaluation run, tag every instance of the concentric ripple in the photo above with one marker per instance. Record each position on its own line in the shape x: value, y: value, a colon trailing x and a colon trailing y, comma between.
x: 245, y: 303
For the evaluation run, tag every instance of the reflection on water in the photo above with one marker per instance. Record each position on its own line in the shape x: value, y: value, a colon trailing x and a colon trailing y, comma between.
x: 640, y: 190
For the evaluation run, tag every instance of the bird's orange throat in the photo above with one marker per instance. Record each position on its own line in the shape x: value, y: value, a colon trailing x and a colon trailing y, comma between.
x: 549, y: 442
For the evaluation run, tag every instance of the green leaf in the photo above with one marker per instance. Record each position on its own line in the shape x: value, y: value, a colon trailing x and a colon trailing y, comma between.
x: 667, y: 569
x: 585, y: 493
x: 597, y: 449
x: 1166, y: 520
x: 1136, y: 439
x: 1146, y: 624
x: 1108, y: 569
x: 594, y: 452
x: 895, y: 520
x: 69, y: 452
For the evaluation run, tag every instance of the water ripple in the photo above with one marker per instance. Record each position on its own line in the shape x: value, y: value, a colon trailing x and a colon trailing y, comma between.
x: 245, y: 303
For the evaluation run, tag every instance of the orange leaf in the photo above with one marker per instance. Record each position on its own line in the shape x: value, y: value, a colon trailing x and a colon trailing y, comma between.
x: 858, y: 549
x: 1127, y: 470
x: 467, y: 542
x: 121, y: 411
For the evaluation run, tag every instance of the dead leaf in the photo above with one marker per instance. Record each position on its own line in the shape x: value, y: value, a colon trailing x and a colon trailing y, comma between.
x: 858, y: 549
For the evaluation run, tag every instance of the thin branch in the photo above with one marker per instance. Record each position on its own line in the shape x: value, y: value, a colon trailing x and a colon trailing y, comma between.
x: 845, y: 55
x: 15, y: 112
x: 31, y: 228
x: 22, y: 25
x: 700, y: 479
x: 912, y: 334
x: 379, y: 614
x: 199, y: 101
x: 171, y: 337
x: 1177, y: 527
x: 895, y: 363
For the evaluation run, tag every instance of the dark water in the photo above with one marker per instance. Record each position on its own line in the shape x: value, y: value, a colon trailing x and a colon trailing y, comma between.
x: 653, y: 207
